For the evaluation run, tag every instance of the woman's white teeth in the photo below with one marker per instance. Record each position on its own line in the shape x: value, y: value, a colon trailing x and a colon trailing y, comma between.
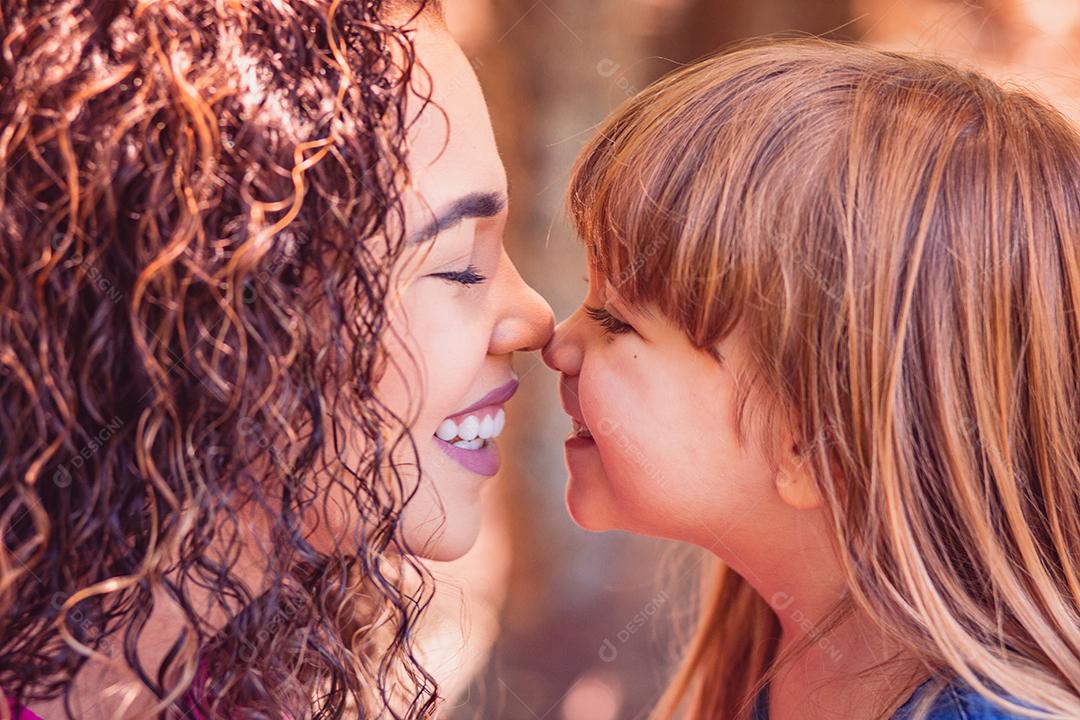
x: 472, y: 430
x: 447, y: 430
x: 469, y: 428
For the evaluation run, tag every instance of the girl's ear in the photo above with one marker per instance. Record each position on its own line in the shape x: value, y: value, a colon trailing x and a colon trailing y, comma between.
x: 794, y: 479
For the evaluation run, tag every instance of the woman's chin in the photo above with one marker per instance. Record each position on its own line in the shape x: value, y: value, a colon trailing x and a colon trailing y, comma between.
x: 451, y: 547
x: 445, y: 538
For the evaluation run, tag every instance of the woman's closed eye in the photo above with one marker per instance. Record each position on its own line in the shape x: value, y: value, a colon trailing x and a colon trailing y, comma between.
x: 469, y: 276
x: 608, y: 322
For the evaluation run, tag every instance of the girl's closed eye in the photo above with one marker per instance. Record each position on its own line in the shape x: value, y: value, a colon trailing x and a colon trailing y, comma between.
x: 469, y: 276
x: 608, y: 322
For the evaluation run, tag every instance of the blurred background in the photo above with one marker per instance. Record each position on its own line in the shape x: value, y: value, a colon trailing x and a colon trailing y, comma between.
x: 558, y: 623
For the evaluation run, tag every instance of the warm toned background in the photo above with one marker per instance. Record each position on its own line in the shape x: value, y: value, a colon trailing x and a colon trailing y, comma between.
x: 561, y: 624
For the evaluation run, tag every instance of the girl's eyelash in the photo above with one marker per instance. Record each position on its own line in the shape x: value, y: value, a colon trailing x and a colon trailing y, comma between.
x: 469, y: 276
x: 607, y: 321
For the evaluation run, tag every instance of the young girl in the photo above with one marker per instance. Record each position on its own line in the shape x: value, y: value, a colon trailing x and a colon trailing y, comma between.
x: 831, y: 336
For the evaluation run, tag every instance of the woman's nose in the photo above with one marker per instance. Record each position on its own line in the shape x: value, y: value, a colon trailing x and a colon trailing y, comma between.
x: 563, y: 351
x: 527, y: 321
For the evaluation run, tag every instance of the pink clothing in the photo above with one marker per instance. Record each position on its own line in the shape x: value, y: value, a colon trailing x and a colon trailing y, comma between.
x: 21, y: 713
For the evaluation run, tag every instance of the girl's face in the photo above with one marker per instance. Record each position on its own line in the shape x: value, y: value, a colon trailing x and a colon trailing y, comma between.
x: 655, y: 448
x: 460, y: 308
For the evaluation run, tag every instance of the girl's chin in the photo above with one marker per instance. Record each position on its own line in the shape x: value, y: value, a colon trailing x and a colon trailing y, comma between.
x: 598, y: 502
x: 583, y: 461
x: 587, y: 518
x: 588, y: 499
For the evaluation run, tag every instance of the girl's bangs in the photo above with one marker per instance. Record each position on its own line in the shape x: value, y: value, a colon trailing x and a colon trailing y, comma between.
x: 658, y: 214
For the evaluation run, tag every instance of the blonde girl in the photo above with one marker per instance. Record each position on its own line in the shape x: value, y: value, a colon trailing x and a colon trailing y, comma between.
x: 831, y: 336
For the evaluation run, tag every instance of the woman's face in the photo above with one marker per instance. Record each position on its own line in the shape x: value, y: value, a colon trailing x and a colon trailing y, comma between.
x: 655, y: 447
x: 460, y: 309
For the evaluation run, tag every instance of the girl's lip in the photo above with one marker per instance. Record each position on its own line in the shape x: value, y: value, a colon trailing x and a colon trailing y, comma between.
x: 569, y: 405
x: 575, y: 442
x: 496, y: 397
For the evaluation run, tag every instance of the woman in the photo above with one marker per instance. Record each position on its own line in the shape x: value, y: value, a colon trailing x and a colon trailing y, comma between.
x: 248, y: 286
x: 833, y: 312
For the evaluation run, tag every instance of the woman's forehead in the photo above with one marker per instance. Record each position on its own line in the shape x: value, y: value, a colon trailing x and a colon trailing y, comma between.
x: 452, y: 149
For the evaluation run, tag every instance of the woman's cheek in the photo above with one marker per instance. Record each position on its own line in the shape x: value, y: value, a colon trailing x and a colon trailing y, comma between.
x: 451, y: 346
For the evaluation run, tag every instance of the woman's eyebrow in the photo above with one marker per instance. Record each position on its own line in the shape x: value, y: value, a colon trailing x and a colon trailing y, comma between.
x: 473, y: 205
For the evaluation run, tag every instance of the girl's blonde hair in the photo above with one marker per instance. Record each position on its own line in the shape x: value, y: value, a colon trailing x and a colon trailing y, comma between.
x: 899, y: 239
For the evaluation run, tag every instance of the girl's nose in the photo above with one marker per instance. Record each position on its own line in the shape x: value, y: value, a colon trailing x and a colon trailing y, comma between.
x: 563, y: 351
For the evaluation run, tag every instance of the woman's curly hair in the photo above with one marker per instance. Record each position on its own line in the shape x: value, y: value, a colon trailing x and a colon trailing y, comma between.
x: 195, y: 198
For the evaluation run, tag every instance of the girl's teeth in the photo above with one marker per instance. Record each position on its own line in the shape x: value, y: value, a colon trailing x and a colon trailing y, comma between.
x: 580, y: 430
x: 499, y: 423
x: 470, y: 444
x: 447, y: 431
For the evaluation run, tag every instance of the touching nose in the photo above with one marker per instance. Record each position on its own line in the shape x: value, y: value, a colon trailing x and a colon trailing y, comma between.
x: 563, y: 351
x: 527, y: 322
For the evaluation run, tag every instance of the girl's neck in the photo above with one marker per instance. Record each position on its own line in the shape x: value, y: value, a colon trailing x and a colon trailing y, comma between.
x: 831, y: 659
x: 851, y: 670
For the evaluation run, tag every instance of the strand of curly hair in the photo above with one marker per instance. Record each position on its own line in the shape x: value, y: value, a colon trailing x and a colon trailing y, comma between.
x: 194, y: 266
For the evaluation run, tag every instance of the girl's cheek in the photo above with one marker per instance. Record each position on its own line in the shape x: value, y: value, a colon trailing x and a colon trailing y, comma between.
x: 620, y: 423
x: 630, y: 400
x: 598, y: 390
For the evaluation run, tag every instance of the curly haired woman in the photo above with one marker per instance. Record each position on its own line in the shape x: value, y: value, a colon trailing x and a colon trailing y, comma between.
x: 251, y: 280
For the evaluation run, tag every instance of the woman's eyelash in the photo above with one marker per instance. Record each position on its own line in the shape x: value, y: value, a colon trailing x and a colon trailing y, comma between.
x: 607, y: 321
x: 469, y: 276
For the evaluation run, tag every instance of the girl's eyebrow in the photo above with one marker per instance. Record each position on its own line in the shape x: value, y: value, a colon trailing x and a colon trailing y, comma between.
x: 620, y: 307
x: 611, y: 296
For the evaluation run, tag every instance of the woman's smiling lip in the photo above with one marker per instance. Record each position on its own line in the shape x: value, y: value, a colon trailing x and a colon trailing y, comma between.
x: 497, y: 396
x: 483, y: 460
